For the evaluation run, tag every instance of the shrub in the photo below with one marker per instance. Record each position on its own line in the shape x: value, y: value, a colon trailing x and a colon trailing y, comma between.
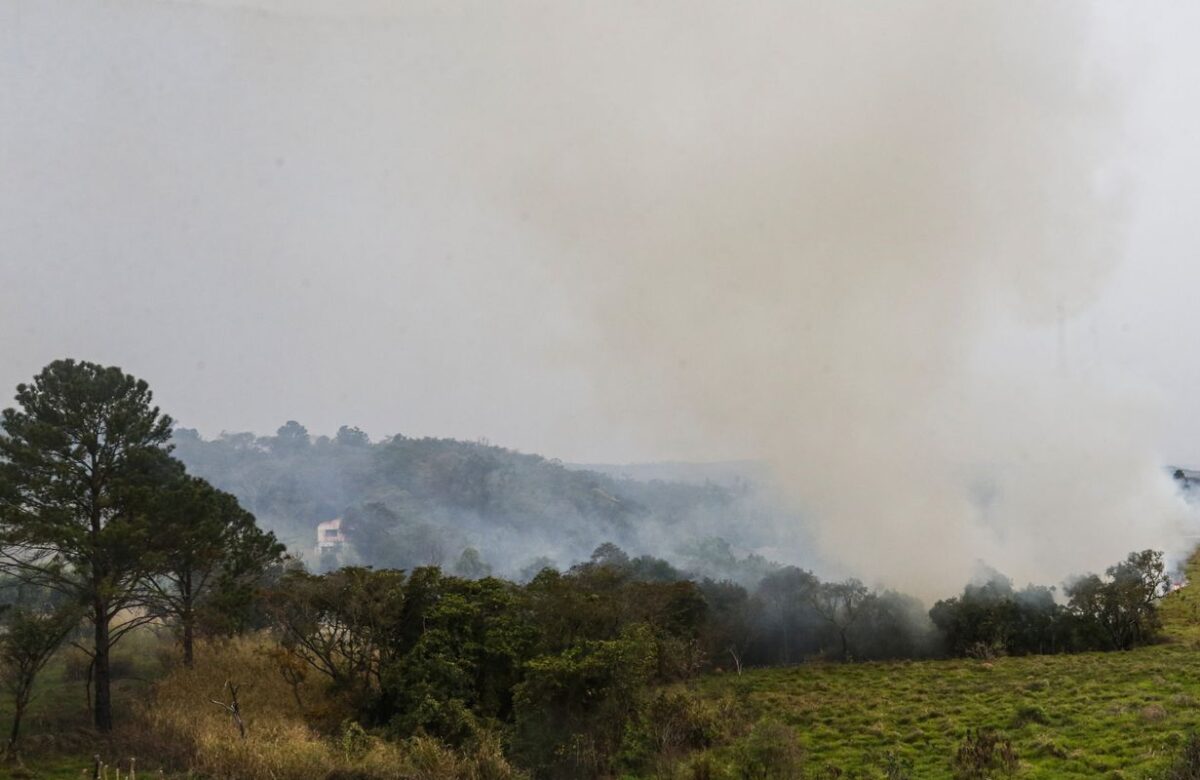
x: 770, y: 752
x: 354, y: 741
x: 1153, y: 713
x: 1030, y: 713
x: 574, y: 708
x: 984, y: 754
x: 673, y: 722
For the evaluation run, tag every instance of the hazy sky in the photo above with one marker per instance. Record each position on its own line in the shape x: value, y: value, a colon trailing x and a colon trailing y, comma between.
x: 296, y: 210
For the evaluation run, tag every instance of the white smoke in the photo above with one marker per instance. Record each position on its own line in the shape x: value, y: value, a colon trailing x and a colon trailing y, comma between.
x: 798, y: 226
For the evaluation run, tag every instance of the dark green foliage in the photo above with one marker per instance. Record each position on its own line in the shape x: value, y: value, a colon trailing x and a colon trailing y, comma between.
x: 733, y: 624
x: 597, y: 600
x: 670, y: 723
x: 426, y: 653
x: 462, y: 666
x: 1030, y: 713
x: 342, y: 624
x: 992, y: 619
x: 573, y: 707
x: 205, y: 556
x: 1113, y: 613
x: 790, y: 622
x: 567, y: 660
x: 1120, y: 612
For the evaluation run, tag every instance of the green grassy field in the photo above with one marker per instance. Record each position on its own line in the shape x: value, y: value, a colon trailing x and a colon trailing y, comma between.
x: 1092, y: 715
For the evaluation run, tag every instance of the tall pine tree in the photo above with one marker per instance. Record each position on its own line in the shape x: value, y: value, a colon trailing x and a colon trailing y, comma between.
x: 82, y: 444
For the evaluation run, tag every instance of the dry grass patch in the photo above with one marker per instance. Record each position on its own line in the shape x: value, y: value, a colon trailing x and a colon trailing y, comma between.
x: 182, y: 728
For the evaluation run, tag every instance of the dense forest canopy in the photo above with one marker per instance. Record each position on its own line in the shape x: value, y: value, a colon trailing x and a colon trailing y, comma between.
x: 409, y: 502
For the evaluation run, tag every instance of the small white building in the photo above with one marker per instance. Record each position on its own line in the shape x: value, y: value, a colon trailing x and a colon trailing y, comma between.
x: 330, y: 536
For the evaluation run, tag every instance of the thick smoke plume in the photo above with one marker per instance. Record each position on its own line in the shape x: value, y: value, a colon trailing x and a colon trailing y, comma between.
x: 825, y: 234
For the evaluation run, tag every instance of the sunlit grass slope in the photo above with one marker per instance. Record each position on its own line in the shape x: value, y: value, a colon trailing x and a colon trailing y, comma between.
x: 1115, y: 715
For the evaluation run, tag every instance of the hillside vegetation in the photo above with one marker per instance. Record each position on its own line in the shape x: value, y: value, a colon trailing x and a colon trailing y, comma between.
x: 1086, y: 715
x: 176, y: 632
x: 411, y: 502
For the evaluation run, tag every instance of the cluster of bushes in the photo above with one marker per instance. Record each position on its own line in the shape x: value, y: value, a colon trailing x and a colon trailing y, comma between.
x: 563, y: 665
x: 1116, y: 612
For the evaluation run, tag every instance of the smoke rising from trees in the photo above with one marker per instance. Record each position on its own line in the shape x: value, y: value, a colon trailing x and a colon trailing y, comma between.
x: 822, y: 233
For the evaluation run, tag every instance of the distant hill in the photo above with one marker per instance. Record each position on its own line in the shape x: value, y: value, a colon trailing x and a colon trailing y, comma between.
x: 729, y: 474
x: 407, y: 502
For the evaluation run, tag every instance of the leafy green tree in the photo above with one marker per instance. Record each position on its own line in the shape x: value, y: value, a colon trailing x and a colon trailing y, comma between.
x: 28, y: 639
x: 460, y: 654
x: 343, y: 624
x: 1123, y: 607
x: 206, y: 551
x: 573, y: 708
x: 75, y: 452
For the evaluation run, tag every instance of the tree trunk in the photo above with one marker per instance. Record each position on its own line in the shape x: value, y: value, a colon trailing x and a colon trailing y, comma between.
x: 188, y: 618
x: 188, y: 640
x: 13, y: 752
x: 87, y: 684
x: 102, y: 712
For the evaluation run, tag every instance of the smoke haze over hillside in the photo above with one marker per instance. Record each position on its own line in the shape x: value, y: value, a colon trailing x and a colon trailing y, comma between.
x: 810, y: 249
x: 928, y: 261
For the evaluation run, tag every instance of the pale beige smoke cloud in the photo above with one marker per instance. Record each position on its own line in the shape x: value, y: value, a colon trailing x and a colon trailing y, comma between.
x: 795, y: 227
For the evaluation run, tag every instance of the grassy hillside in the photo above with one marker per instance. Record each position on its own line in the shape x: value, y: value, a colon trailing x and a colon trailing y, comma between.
x: 1114, y: 715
